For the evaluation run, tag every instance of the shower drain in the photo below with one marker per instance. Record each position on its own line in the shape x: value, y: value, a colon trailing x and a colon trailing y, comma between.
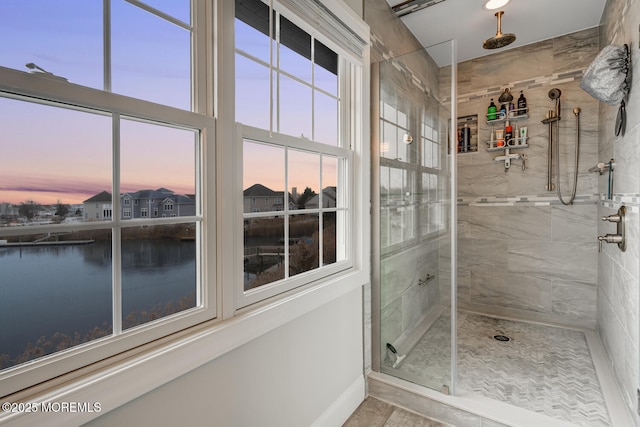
x: 502, y: 338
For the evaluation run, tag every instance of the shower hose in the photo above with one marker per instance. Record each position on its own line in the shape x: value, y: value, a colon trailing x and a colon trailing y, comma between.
x: 577, y: 152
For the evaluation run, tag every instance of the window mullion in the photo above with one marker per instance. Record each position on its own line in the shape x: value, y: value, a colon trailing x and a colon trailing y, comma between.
x: 106, y: 42
x: 271, y: 75
x: 313, y: 92
x: 285, y: 206
x: 116, y: 230
x: 321, y: 216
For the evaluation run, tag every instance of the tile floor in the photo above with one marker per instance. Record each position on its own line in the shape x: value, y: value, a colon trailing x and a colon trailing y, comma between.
x: 542, y: 368
x: 376, y: 413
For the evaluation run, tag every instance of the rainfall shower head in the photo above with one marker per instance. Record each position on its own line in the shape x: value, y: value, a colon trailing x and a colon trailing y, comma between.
x: 499, y: 40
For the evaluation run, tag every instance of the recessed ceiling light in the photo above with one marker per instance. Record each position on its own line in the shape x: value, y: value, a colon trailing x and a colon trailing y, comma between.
x: 494, y: 4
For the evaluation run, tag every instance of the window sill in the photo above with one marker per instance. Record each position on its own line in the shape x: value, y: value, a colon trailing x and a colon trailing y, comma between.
x: 178, y: 357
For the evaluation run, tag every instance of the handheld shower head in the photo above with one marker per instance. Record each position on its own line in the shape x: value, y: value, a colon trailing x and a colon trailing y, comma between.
x: 554, y: 93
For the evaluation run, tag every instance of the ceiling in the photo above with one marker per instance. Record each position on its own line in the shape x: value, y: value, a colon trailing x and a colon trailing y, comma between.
x: 470, y: 24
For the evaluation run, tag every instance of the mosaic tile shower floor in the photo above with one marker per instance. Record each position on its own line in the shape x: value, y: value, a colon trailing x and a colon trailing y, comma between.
x: 542, y: 368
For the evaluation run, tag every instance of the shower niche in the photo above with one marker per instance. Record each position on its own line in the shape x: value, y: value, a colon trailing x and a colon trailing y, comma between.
x: 467, y: 134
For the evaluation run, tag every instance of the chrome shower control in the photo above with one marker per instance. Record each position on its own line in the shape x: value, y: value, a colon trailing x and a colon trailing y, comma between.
x: 620, y: 236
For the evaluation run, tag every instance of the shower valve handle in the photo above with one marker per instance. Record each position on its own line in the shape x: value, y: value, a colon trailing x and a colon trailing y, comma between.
x: 612, y: 218
x: 609, y: 238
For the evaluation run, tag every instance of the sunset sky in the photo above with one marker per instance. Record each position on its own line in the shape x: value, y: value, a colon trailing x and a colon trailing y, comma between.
x: 52, y: 155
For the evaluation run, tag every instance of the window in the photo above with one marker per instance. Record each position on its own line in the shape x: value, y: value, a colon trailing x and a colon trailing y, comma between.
x: 97, y: 136
x: 153, y: 53
x: 293, y: 135
x: 82, y: 142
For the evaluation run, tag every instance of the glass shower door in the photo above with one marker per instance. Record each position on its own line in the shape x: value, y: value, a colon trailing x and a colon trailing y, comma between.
x: 412, y: 193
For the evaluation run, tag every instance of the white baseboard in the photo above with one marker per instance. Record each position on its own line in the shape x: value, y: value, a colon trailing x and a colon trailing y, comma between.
x: 344, y: 406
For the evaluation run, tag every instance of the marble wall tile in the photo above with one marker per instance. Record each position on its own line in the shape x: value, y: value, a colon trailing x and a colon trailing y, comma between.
x: 625, y: 297
x: 613, y: 336
x: 620, y: 25
x: 575, y: 300
x: 505, y: 222
x: 357, y: 6
x: 390, y: 323
x: 571, y: 51
x: 481, y: 179
x: 481, y: 254
x: 574, y: 223
x: 415, y: 304
x: 513, y: 65
x: 627, y: 158
x: 501, y: 288
x: 630, y: 258
x: 386, y: 26
x: 474, y: 257
x: 394, y: 281
x: 554, y: 260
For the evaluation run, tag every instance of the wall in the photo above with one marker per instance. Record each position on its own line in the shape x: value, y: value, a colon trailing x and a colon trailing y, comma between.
x: 287, y: 377
x: 618, y: 272
x: 521, y: 253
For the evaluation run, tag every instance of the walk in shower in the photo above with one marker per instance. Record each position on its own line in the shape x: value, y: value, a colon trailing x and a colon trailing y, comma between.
x: 509, y: 319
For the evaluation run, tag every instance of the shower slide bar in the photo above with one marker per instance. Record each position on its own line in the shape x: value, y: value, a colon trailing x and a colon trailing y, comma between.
x: 600, y: 168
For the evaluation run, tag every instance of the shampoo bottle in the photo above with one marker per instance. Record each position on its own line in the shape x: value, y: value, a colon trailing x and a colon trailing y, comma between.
x: 491, y: 111
x: 522, y: 104
x: 508, y: 134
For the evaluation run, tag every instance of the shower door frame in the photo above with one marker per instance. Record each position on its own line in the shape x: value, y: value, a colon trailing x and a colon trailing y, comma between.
x: 376, y: 320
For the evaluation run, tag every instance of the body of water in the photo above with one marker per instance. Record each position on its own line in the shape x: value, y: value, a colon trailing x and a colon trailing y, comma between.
x: 68, y: 289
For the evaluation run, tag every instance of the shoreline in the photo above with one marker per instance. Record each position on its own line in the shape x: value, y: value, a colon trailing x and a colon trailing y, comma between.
x: 57, y: 243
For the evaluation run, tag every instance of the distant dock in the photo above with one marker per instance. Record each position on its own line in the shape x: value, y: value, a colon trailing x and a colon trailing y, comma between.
x: 5, y: 244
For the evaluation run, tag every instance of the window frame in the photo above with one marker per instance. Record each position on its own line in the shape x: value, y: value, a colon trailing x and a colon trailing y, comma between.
x: 344, y: 243
x: 349, y: 114
x: 21, y: 85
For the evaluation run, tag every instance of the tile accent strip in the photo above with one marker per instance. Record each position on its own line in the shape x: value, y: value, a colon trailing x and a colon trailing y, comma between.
x: 529, y: 83
x: 526, y: 200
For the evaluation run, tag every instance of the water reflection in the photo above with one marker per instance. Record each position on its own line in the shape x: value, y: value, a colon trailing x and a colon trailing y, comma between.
x: 54, y: 297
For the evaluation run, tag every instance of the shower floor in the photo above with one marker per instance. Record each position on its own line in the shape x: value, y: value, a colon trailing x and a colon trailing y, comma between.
x: 541, y: 368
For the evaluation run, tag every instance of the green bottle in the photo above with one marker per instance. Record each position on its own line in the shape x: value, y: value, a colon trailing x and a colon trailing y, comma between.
x: 491, y: 111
